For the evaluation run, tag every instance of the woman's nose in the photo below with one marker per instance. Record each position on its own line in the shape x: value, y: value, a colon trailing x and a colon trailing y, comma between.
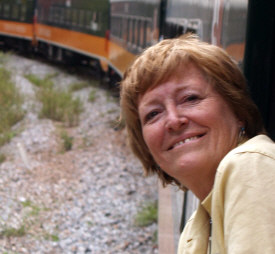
x: 175, y: 120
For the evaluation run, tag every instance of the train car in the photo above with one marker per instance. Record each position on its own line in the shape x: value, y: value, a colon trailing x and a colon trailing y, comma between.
x: 135, y: 25
x: 16, y: 24
x: 73, y: 30
x: 219, y: 22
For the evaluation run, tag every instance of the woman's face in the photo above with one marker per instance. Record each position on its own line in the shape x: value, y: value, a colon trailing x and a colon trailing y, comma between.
x: 188, y: 127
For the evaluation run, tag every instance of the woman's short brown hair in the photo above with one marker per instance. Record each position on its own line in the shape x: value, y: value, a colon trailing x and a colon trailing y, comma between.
x: 163, y: 60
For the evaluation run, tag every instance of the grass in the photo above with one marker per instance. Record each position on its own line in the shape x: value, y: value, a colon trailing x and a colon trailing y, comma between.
x: 92, y: 96
x: 78, y: 86
x: 35, y: 210
x: 83, y: 84
x: 147, y: 215
x: 10, y: 106
x: 67, y: 141
x: 2, y: 158
x: 13, y: 232
x: 57, y: 105
x: 42, y: 83
x: 51, y: 237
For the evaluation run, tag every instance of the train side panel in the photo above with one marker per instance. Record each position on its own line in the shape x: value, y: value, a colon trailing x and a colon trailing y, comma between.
x: 16, y: 23
x: 75, y: 28
x: 90, y: 45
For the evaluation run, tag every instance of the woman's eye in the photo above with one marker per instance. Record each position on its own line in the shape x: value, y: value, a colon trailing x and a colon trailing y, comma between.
x: 192, y: 97
x: 151, y: 115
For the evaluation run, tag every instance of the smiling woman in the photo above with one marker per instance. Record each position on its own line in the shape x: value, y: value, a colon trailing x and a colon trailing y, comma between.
x: 190, y: 120
x: 185, y: 122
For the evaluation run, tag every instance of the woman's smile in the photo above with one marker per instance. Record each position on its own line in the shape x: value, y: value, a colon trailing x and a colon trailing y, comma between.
x: 191, y: 138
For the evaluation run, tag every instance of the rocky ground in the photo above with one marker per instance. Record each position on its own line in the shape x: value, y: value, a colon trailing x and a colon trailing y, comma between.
x: 80, y: 201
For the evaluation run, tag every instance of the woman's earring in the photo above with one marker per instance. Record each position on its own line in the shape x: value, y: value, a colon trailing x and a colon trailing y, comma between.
x: 241, y: 134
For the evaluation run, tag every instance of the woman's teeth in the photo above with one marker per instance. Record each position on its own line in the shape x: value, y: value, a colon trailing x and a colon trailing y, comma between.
x: 185, y: 141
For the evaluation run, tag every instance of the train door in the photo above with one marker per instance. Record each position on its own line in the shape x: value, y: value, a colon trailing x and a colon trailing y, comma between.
x: 259, y: 64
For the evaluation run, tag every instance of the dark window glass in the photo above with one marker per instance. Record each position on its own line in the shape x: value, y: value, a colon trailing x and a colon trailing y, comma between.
x: 62, y: 15
x: 81, y: 18
x: 144, y: 34
x: 75, y: 17
x: 15, y: 12
x: 6, y: 10
x: 88, y: 19
x: 68, y: 16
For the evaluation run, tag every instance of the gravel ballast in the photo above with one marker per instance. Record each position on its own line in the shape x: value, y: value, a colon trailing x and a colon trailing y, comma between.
x: 81, y: 201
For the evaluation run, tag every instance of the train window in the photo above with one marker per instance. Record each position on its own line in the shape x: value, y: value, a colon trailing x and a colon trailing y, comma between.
x: 141, y: 33
x: 148, y: 34
x: 81, y: 18
x: 75, y: 17
x: 62, y: 15
x: 51, y: 15
x: 88, y: 19
x: 6, y: 10
x: 120, y: 27
x: 138, y: 33
x: 114, y: 25
x: 130, y: 31
x: 68, y: 16
x: 124, y: 30
x: 133, y: 31
x: 94, y: 22
x: 15, y: 12
x: 99, y: 20
x: 56, y: 15
x: 41, y: 14
x: 23, y: 12
x: 144, y: 34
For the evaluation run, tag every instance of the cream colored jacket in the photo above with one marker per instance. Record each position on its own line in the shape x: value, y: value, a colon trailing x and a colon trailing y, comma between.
x: 241, y: 205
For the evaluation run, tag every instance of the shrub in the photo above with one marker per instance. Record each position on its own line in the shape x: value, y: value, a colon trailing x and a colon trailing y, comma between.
x: 60, y: 106
x: 13, y: 232
x: 78, y: 86
x: 56, y: 104
x: 10, y: 106
x: 92, y: 96
x: 42, y: 83
x: 147, y: 215
x: 67, y: 141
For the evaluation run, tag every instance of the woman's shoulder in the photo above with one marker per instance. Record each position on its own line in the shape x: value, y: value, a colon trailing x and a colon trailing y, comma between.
x: 261, y: 144
x: 256, y: 153
x: 258, y: 145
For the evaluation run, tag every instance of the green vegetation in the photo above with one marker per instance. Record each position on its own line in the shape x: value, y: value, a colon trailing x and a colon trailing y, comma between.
x: 147, y: 215
x: 3, y: 57
x: 67, y: 141
x: 42, y: 83
x: 56, y: 104
x: 31, y: 220
x: 2, y: 158
x: 34, y: 208
x: 92, y: 96
x: 13, y: 232
x: 10, y: 106
x: 51, y: 237
x: 155, y: 237
x: 78, y: 86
